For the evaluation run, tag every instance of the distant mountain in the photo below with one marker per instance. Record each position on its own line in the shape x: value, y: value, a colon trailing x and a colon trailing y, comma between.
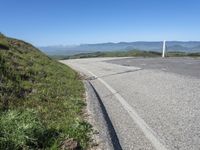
x: 191, y: 46
x: 177, y: 48
x: 196, y: 49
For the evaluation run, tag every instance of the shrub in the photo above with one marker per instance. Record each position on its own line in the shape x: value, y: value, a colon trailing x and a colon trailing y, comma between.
x: 4, y: 44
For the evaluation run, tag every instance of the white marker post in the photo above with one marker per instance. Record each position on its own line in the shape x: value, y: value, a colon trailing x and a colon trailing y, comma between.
x: 164, y: 48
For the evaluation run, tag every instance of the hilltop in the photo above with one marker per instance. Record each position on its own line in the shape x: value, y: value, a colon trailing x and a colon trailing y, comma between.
x: 41, y: 100
x: 190, y: 47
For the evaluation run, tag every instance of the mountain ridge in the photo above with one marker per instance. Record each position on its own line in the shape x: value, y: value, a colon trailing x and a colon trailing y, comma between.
x: 184, y: 46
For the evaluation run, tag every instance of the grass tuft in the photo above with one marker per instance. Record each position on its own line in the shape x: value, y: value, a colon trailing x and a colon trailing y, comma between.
x: 19, y: 129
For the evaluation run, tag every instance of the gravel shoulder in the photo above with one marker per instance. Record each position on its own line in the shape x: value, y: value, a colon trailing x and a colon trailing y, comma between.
x: 96, y: 116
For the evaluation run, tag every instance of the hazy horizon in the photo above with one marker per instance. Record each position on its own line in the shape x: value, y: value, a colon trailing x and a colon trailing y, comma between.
x: 72, y: 45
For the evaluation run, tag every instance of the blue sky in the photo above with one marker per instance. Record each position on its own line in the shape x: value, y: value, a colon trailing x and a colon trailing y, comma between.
x: 66, y: 22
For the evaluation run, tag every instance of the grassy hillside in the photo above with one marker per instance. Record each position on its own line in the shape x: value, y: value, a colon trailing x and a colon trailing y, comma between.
x: 132, y: 53
x: 41, y: 100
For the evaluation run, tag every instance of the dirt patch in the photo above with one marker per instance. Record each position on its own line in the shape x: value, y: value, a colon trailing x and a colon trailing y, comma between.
x: 70, y: 144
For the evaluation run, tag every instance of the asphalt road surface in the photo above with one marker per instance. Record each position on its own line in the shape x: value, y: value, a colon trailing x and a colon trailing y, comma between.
x: 153, y: 103
x: 184, y: 66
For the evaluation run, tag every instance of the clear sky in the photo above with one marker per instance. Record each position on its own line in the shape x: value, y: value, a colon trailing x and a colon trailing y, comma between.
x: 66, y: 22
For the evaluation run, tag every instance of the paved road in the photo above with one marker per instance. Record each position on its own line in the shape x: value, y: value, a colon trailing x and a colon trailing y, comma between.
x: 152, y: 103
x: 184, y: 66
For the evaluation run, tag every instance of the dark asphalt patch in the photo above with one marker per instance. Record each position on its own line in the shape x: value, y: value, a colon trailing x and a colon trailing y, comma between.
x: 183, y: 66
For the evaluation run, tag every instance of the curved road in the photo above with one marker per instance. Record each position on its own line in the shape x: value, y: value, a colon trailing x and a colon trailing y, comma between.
x: 153, y: 103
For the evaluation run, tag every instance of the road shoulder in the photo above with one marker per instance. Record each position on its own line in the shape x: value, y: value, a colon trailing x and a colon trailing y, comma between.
x: 101, y: 138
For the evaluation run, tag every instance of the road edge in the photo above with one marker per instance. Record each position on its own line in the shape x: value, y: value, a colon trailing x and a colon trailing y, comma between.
x: 104, y: 136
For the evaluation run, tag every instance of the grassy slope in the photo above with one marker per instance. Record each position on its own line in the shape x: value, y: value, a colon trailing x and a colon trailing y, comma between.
x: 132, y: 53
x: 41, y: 100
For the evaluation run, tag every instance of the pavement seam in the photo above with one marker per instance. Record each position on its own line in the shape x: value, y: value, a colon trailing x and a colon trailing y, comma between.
x: 118, y: 73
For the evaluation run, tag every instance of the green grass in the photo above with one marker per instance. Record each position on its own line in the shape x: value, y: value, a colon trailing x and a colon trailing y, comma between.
x: 182, y: 54
x: 17, y: 128
x: 132, y: 53
x: 41, y: 94
x: 3, y: 43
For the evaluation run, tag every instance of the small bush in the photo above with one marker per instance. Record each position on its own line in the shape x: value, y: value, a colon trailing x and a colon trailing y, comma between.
x: 194, y: 54
x: 4, y: 44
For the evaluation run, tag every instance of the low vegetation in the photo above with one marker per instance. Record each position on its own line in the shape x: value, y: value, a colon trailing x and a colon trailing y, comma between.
x: 182, y: 54
x: 41, y: 100
x: 132, y: 53
x: 3, y: 43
